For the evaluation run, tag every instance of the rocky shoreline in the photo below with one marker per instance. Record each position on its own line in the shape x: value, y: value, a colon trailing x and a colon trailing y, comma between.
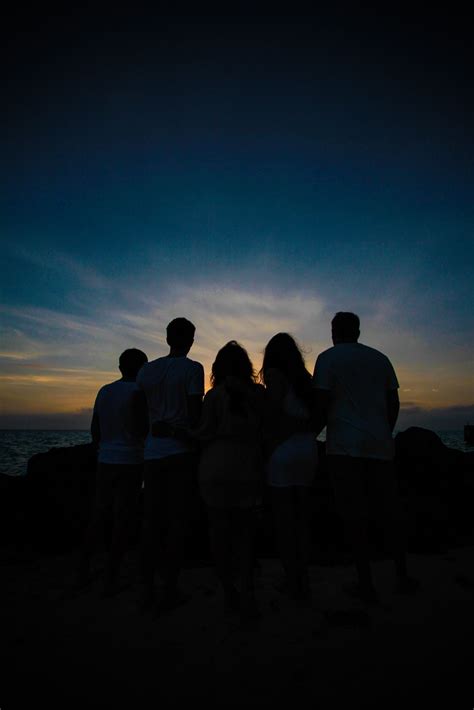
x: 78, y: 650
x: 48, y: 508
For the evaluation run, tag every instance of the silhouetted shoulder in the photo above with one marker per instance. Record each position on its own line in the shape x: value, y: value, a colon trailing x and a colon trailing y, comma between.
x: 108, y: 387
x: 321, y: 369
x: 195, y: 363
x: 372, y: 353
x: 325, y: 354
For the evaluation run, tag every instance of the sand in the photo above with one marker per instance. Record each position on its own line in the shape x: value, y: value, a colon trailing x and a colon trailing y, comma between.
x: 61, y: 650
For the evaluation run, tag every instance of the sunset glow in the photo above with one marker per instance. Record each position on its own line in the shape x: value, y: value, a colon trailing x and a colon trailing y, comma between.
x: 253, y: 177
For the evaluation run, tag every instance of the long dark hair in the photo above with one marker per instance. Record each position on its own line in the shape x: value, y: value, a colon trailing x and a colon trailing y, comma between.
x: 283, y: 353
x: 233, y: 368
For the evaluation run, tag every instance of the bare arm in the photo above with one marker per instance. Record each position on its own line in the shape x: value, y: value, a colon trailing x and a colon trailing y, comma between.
x: 393, y: 407
x: 207, y: 425
x: 320, y: 412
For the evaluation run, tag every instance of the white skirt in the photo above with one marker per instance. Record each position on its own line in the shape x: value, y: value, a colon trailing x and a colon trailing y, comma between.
x: 293, y: 463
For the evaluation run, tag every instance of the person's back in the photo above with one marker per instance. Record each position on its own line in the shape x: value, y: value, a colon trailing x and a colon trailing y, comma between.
x: 356, y: 393
x: 358, y: 378
x: 291, y: 456
x: 173, y: 387
x: 119, y: 436
x: 168, y: 382
x: 242, y: 423
x: 230, y: 470
x: 118, y: 443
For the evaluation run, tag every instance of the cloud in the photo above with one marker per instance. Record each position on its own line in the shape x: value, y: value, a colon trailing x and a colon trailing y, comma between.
x: 62, y: 358
x: 60, y: 262
x: 56, y: 358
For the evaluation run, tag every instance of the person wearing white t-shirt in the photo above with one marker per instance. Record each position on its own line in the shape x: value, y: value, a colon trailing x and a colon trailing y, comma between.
x: 119, y: 438
x: 357, y: 396
x: 172, y: 388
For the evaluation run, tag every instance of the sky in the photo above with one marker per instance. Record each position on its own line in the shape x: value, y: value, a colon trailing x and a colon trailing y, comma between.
x: 252, y: 173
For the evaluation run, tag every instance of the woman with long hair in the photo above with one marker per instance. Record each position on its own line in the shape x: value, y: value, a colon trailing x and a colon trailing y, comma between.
x: 231, y: 470
x: 291, y: 456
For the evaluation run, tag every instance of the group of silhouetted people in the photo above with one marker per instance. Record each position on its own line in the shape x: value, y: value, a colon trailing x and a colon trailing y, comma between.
x: 155, y: 428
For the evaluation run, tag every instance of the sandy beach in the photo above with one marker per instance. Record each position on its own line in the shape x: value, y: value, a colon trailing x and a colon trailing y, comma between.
x: 66, y: 650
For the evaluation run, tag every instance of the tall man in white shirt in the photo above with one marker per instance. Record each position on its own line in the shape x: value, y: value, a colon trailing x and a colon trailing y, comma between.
x: 172, y: 390
x: 357, y: 394
x: 119, y: 438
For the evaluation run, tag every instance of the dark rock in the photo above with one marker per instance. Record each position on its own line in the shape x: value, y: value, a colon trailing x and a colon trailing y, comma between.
x: 60, y: 487
x: 435, y: 483
x: 13, y: 496
x: 50, y: 506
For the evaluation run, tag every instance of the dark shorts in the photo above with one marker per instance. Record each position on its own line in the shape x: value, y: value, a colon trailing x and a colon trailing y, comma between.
x: 364, y: 487
x: 118, y: 487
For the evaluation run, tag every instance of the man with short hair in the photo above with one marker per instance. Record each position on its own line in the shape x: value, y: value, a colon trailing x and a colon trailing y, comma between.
x: 172, y: 390
x: 356, y: 389
x: 119, y: 438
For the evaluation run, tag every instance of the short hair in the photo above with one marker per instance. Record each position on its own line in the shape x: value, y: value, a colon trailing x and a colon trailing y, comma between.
x: 131, y: 361
x: 180, y: 332
x: 346, y: 325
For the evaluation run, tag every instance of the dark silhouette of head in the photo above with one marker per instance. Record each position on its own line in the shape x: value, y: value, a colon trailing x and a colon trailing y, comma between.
x: 130, y: 362
x: 233, y: 368
x: 282, y: 353
x: 180, y: 335
x: 232, y: 361
x: 345, y: 328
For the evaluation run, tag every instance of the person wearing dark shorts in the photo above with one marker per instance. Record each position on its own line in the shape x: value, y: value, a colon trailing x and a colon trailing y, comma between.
x: 171, y: 391
x: 120, y: 441
x: 356, y: 391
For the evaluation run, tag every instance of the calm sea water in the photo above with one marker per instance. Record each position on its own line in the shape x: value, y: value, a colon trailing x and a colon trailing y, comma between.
x: 17, y: 446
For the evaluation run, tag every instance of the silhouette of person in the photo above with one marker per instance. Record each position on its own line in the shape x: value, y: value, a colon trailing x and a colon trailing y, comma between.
x: 172, y: 389
x: 292, y: 459
x: 230, y: 471
x: 356, y: 389
x: 120, y: 440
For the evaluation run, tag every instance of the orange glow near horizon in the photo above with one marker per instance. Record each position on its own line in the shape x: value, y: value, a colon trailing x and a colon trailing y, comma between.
x: 54, y: 363
x: 74, y: 390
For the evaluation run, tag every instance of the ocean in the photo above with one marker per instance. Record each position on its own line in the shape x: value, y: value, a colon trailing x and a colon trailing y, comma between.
x: 18, y: 445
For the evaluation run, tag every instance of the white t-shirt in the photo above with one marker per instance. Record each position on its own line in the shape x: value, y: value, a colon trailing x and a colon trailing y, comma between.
x: 112, y: 406
x: 167, y: 382
x: 358, y: 378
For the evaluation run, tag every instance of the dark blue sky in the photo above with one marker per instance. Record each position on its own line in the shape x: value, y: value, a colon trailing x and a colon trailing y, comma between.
x: 276, y: 168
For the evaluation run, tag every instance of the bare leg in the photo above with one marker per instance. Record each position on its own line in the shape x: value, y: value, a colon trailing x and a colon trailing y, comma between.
x: 244, y: 528
x: 220, y: 536
x: 303, y: 502
x: 178, y: 502
x: 388, y: 507
x: 95, y: 531
x: 286, y: 534
x: 93, y: 535
x: 357, y: 537
x: 126, y: 496
x: 151, y: 532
